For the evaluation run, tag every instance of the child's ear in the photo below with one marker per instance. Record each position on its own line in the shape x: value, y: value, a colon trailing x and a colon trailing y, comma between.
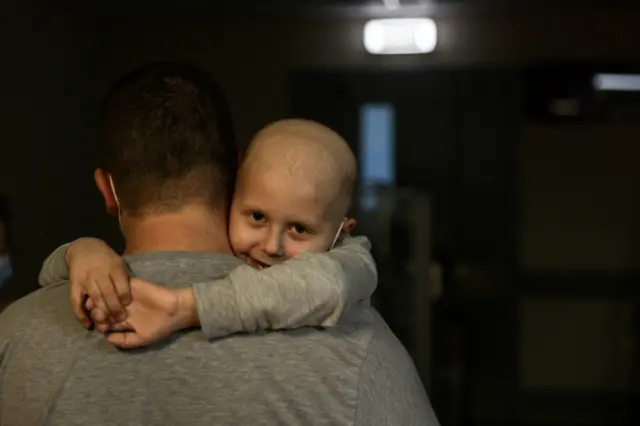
x: 347, y: 226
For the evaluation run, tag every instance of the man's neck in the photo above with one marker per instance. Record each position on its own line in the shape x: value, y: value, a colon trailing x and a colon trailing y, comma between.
x: 194, y: 229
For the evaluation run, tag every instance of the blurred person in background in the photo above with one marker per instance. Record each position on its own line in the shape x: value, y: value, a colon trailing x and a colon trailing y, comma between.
x: 6, y: 270
x: 5, y: 257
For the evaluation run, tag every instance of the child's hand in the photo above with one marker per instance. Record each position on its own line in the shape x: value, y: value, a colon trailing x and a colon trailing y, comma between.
x: 154, y: 314
x: 97, y: 271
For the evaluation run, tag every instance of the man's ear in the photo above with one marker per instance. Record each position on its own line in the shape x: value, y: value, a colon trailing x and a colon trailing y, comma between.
x: 102, y: 182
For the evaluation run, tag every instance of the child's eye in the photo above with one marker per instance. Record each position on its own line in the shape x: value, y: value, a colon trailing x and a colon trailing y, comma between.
x: 257, y: 217
x: 299, y: 229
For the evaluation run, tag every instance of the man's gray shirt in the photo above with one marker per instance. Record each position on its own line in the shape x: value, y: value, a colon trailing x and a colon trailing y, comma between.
x: 54, y: 372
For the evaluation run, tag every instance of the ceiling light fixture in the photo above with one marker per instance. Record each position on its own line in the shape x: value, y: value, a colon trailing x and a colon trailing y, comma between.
x: 400, y: 36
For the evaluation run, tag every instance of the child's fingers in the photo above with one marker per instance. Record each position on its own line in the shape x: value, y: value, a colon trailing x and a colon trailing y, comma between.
x: 111, y: 298
x: 101, y: 290
x: 89, y: 305
x: 121, y: 326
x: 101, y: 320
x: 120, y: 280
x: 103, y: 328
x: 99, y: 316
x: 77, y: 299
x: 93, y: 290
x: 126, y: 340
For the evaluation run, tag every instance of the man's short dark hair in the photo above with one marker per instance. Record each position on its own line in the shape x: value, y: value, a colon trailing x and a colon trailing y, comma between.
x: 167, y: 139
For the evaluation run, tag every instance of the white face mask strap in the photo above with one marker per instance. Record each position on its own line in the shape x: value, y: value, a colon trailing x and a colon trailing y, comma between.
x: 115, y: 196
x: 335, y: 239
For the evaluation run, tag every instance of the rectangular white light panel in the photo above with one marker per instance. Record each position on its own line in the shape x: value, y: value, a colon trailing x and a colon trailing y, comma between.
x: 400, y: 36
x: 617, y: 82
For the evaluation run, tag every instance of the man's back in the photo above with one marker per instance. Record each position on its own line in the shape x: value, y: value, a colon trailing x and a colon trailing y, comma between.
x: 54, y: 372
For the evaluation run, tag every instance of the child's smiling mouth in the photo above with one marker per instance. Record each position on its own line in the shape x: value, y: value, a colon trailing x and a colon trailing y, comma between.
x: 256, y: 263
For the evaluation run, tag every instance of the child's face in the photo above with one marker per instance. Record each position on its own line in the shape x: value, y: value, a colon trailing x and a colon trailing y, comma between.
x: 276, y: 216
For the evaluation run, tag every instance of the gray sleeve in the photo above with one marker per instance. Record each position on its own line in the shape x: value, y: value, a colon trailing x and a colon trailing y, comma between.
x: 390, y: 391
x: 54, y: 269
x: 311, y: 289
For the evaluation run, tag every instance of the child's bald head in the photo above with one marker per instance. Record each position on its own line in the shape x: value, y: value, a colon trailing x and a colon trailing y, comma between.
x: 294, y: 190
x: 311, y: 153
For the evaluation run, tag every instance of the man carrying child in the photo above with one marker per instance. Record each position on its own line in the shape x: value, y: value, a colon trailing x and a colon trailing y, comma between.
x: 169, y: 168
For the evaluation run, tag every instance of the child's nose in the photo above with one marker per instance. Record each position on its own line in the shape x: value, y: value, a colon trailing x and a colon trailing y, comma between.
x: 272, y: 246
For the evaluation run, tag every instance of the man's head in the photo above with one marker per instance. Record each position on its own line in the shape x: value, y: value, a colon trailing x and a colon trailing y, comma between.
x: 167, y: 142
x: 293, y: 192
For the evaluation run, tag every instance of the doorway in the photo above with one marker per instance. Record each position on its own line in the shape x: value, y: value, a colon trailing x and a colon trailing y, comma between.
x: 450, y: 137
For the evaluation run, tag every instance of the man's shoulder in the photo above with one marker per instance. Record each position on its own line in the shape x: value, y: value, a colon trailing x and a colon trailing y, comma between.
x: 383, y: 346
x: 389, y: 387
x: 39, y: 306
x: 360, y: 337
x: 41, y: 296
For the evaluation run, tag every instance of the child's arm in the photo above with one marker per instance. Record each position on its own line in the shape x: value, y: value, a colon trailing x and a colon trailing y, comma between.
x: 54, y: 269
x: 311, y: 289
x: 99, y: 273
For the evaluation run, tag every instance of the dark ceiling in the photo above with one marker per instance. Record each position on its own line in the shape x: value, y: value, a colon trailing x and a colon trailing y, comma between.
x: 336, y: 8
x: 261, y: 7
